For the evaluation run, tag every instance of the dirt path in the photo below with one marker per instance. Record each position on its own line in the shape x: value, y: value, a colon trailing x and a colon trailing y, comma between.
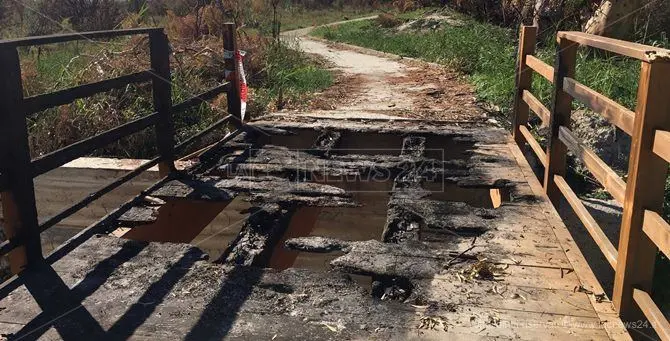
x: 377, y: 85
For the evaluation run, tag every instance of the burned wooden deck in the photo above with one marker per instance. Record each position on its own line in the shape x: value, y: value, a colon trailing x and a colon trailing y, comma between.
x: 470, y: 248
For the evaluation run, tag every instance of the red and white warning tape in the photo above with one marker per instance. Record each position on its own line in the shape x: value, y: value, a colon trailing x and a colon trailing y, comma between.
x: 242, y: 84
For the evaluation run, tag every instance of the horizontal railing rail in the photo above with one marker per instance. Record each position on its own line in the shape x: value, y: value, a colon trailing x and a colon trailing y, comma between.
x: 643, y: 229
x: 41, y: 102
x: 543, y: 69
x: 614, y: 112
x: 17, y: 169
x: 644, y: 53
x: 62, y: 38
x: 605, y: 175
x: 536, y: 106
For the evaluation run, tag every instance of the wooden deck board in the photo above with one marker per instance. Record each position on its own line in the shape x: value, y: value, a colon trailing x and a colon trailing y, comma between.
x: 544, y: 288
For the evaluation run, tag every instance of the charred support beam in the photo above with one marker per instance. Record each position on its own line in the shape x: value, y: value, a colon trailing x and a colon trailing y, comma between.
x: 398, y: 227
x: 262, y: 231
x: 326, y: 142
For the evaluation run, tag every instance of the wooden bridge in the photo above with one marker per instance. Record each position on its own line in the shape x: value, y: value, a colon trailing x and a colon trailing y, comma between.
x: 365, y: 229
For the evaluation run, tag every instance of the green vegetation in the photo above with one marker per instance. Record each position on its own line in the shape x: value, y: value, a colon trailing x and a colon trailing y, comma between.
x: 298, y: 17
x: 278, y: 76
x: 486, y: 54
x: 276, y: 73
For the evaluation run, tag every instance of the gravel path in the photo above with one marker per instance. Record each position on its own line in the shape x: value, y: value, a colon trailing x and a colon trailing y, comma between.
x: 377, y: 85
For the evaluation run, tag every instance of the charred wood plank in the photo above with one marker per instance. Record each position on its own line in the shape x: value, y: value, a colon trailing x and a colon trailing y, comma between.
x: 61, y: 38
x: 41, y: 102
x: 325, y: 143
x: 139, y: 215
x: 259, y: 235
x: 64, y: 155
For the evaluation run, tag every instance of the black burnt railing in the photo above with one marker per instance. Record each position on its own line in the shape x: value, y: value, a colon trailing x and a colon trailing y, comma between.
x: 17, y: 169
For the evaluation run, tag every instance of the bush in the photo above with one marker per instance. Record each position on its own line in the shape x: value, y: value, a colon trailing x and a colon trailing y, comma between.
x: 84, y: 15
x: 388, y: 20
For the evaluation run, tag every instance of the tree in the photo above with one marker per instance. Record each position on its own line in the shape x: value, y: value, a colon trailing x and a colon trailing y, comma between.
x: 615, y: 18
x: 84, y: 15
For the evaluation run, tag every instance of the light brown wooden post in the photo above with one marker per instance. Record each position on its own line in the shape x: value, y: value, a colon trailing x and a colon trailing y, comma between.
x: 524, y: 79
x: 566, y: 60
x: 644, y: 189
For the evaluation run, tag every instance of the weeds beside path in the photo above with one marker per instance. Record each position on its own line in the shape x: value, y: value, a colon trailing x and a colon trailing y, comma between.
x: 376, y: 86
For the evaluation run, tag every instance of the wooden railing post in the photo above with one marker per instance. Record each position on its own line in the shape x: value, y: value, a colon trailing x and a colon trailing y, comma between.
x: 645, y: 185
x: 162, y: 95
x: 229, y: 50
x: 18, y: 199
x: 566, y: 60
x: 524, y: 78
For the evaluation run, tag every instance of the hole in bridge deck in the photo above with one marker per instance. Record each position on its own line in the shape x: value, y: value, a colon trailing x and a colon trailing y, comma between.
x: 447, y: 147
x: 369, y: 144
x: 346, y: 223
x: 217, y: 235
x: 303, y: 139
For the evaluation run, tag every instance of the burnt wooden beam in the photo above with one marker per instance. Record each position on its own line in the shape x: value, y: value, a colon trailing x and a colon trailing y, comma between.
x: 260, y: 233
x: 159, y: 49
x: 216, y: 188
x: 18, y: 198
x: 61, y: 38
x: 325, y: 143
x: 201, y: 98
x: 216, y: 125
x: 64, y: 155
x: 139, y: 215
x: 41, y: 102
x: 379, y: 259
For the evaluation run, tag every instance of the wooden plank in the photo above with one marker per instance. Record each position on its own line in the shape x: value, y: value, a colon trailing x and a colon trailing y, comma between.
x: 662, y: 144
x: 62, y: 156
x: 474, y: 323
x: 66, y: 96
x: 651, y: 311
x: 203, y: 97
x: 610, y: 180
x: 534, y: 145
x: 61, y: 38
x: 591, y: 225
x: 614, y: 112
x: 218, y: 124
x: 658, y: 230
x: 159, y: 49
x: 524, y: 80
x: 642, y: 52
x: 647, y: 174
x: 616, y: 330
x: 18, y: 199
x: 533, y: 276
x: 532, y: 300
x: 566, y: 60
x: 536, y: 106
x: 545, y: 70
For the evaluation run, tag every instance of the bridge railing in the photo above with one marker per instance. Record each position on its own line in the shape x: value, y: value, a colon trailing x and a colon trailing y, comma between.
x: 17, y: 169
x: 643, y: 230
